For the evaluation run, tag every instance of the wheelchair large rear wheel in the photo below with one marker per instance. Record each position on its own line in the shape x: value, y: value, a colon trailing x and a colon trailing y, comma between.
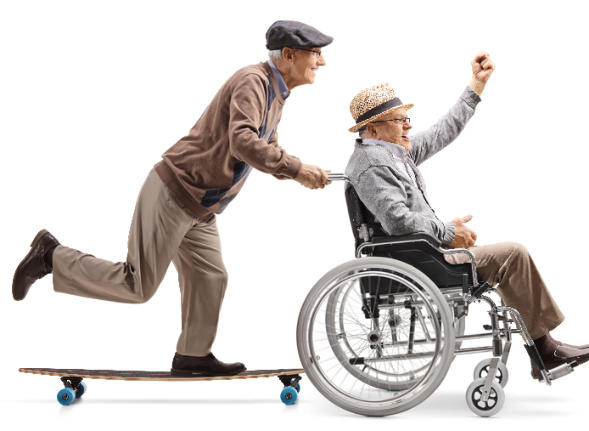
x: 375, y: 336
x: 383, y: 326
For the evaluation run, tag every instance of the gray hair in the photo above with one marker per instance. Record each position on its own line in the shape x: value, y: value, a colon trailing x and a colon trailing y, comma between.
x: 275, y: 54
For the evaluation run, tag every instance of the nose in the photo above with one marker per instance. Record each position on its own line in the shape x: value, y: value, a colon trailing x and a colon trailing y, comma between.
x: 321, y: 60
x: 407, y: 125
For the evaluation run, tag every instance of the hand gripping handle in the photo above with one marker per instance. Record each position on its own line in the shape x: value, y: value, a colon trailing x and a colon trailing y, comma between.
x: 337, y: 177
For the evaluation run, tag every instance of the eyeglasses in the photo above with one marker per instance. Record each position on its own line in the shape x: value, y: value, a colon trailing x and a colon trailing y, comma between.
x: 395, y: 120
x: 316, y: 53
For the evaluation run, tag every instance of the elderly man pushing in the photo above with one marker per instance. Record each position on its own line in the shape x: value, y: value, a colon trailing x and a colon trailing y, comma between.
x: 174, y: 218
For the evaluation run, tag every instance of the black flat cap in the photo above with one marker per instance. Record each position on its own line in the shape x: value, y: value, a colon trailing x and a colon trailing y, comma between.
x: 295, y: 34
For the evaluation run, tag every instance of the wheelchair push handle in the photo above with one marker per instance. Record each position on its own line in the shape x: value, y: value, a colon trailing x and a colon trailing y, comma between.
x: 337, y: 177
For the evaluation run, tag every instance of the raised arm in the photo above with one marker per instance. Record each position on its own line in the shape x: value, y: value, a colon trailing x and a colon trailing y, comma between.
x: 425, y: 144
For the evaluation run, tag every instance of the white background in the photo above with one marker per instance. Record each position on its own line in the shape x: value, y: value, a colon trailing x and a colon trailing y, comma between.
x: 92, y: 93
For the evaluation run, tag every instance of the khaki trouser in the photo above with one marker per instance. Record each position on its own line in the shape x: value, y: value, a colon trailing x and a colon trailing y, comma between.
x: 510, y: 265
x: 161, y: 232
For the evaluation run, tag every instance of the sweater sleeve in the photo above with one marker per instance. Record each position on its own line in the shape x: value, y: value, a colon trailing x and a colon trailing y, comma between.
x: 427, y: 143
x: 274, y: 141
x: 385, y: 197
x: 247, y: 110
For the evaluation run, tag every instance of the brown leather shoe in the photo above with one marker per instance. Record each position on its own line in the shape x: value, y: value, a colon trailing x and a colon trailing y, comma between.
x: 584, y: 346
x: 562, y: 355
x: 558, y: 343
x: 204, y: 365
x: 34, y: 265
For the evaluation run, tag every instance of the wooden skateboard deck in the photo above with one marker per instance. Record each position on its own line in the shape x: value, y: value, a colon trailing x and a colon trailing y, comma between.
x: 75, y: 388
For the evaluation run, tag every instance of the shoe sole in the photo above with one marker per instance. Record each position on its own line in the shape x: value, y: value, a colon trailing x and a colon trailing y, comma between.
x: 187, y: 373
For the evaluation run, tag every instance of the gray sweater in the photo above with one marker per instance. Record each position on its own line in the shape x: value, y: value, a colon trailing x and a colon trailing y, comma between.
x: 388, y: 192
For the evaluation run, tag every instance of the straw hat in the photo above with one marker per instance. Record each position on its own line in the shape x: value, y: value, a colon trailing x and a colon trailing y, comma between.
x: 372, y: 103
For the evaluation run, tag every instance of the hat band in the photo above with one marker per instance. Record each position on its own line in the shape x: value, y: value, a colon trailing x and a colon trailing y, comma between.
x: 379, y: 109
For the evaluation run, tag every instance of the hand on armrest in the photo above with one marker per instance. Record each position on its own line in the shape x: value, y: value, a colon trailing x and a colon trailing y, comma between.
x: 464, y: 237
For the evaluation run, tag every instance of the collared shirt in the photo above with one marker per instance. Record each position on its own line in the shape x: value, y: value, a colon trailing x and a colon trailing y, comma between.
x: 397, y: 151
x: 284, y: 91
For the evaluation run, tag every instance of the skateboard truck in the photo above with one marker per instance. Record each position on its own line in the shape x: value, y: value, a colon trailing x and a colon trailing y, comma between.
x: 71, y: 382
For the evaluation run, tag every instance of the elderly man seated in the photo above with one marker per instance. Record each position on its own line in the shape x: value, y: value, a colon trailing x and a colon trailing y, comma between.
x: 383, y: 170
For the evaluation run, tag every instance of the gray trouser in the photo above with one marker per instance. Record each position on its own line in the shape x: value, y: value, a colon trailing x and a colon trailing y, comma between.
x: 510, y: 265
x: 161, y: 232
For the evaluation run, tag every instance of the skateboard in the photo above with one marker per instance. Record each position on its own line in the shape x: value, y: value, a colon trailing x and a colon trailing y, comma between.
x: 75, y: 387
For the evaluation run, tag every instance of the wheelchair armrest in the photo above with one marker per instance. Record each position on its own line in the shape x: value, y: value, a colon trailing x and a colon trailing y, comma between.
x: 418, y: 236
x: 458, y: 251
x: 470, y: 256
x: 421, y: 236
x: 413, y: 238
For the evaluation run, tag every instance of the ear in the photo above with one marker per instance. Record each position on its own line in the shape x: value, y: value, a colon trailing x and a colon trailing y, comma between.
x: 288, y: 54
x: 370, y: 129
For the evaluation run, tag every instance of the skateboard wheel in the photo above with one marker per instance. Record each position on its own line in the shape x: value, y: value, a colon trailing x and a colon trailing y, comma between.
x: 66, y: 396
x: 289, y: 395
x: 81, y: 389
x: 297, y: 386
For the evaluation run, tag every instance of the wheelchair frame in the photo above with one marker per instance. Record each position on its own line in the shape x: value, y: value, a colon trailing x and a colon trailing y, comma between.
x: 458, y: 298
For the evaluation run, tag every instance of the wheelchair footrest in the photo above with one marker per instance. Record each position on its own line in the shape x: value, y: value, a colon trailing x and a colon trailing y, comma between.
x: 562, y: 370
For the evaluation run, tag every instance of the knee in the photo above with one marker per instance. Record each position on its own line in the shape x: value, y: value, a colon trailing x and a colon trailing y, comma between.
x: 139, y: 295
x: 143, y: 298
x: 219, y: 276
x: 519, y: 250
x: 212, y: 277
x: 141, y: 287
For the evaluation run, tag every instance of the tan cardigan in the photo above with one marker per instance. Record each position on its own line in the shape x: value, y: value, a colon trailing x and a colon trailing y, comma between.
x: 207, y: 168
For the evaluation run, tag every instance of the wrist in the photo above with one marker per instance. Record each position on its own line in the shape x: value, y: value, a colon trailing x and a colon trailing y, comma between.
x: 477, y: 86
x: 449, y: 233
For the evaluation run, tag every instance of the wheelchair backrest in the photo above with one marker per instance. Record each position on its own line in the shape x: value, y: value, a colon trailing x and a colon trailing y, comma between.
x: 364, y: 225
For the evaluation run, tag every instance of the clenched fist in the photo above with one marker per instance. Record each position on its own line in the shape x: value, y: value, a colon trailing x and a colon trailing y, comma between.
x: 482, y: 69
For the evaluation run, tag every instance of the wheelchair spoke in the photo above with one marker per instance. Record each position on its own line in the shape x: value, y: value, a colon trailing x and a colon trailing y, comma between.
x: 362, y: 342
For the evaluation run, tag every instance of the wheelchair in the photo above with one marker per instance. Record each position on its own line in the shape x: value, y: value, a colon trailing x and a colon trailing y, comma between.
x: 377, y: 335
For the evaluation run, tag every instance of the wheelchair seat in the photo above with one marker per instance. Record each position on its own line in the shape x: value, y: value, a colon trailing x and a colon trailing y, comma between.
x: 418, y: 249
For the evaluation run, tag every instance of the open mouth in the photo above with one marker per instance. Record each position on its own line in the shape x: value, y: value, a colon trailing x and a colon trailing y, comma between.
x: 405, y: 138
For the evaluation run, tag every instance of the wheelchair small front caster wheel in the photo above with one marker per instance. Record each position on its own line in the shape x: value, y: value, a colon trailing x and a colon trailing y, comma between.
x: 494, y: 403
x: 81, y: 389
x: 288, y: 395
x: 482, y: 370
x: 66, y: 396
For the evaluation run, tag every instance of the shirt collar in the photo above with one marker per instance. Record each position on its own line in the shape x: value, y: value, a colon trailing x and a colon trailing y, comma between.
x: 396, y: 150
x: 282, y: 88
